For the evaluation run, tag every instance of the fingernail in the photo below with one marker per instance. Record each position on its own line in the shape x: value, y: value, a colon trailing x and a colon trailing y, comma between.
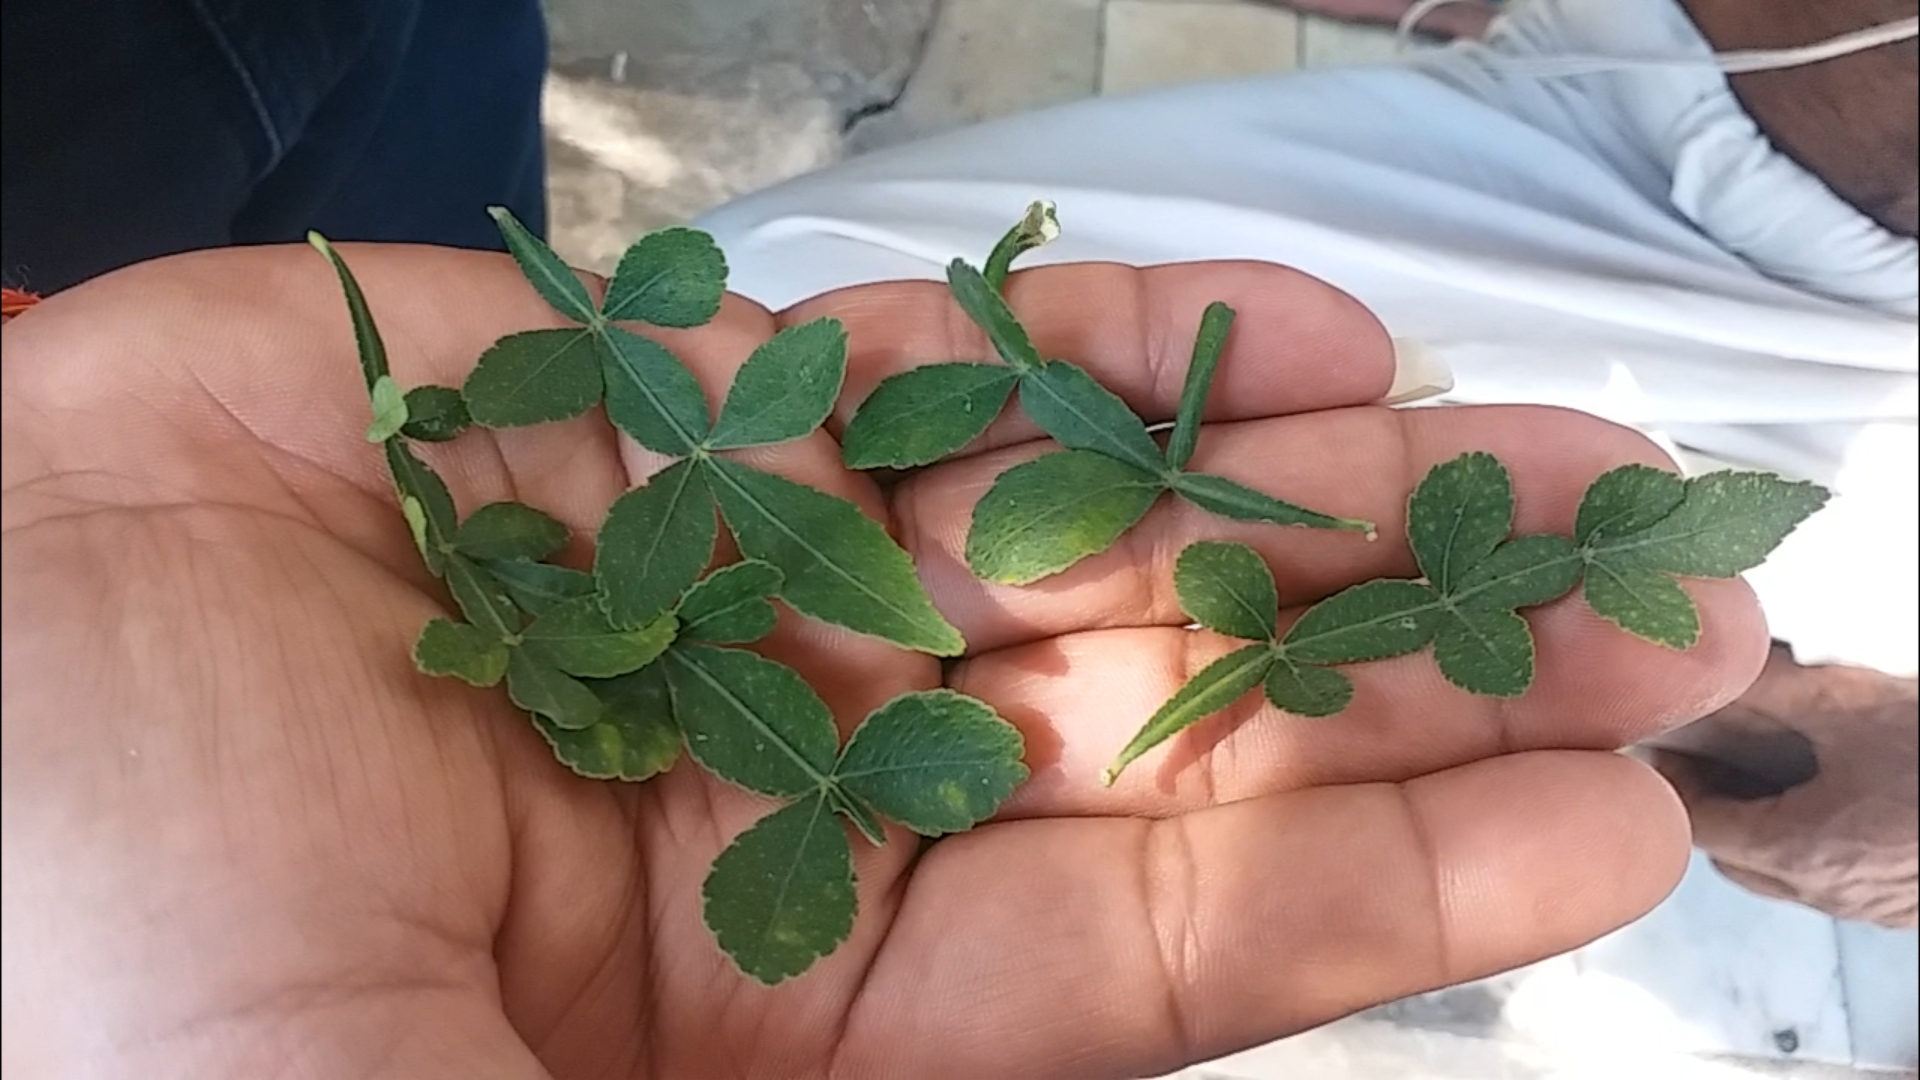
x: 1418, y: 374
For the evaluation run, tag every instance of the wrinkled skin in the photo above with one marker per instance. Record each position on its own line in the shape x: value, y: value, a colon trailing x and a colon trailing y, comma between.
x: 243, y: 838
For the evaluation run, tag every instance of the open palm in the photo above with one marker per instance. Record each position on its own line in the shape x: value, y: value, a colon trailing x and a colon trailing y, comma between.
x: 244, y: 838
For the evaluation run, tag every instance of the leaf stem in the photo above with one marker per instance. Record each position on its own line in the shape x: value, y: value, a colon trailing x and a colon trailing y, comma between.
x: 1036, y: 228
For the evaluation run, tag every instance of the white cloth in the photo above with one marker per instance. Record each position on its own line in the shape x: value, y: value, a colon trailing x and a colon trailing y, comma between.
x: 1624, y: 243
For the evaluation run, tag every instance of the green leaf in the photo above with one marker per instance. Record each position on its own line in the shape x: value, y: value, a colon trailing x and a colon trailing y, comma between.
x: 550, y: 277
x: 544, y: 690
x: 1219, y: 495
x: 1043, y: 516
x: 366, y: 333
x: 1228, y: 589
x: 924, y: 414
x: 1626, y: 500
x: 1369, y: 621
x: 1307, y: 690
x: 786, y: 388
x: 935, y: 761
x: 1727, y: 523
x: 1218, y: 685
x: 464, y: 652
x: 1521, y: 572
x: 537, y: 587
x: 1081, y: 414
x: 650, y: 394
x: 1458, y: 515
x: 731, y: 605
x: 577, y: 638
x: 982, y: 304
x: 1484, y: 650
x: 781, y: 895
x: 425, y: 501
x: 533, y: 377
x: 840, y: 566
x: 750, y: 721
x: 1208, y: 345
x: 1038, y: 226
x: 1643, y: 602
x: 673, y: 277
x: 389, y: 410
x: 654, y: 543
x: 635, y: 737
x: 509, y: 530
x: 435, y: 414
x: 482, y: 599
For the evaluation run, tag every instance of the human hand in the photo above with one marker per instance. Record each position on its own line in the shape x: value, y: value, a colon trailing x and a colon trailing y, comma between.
x: 1803, y: 789
x: 243, y: 837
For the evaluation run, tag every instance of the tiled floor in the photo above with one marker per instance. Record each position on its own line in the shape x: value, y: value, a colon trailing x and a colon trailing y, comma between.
x: 1716, y: 984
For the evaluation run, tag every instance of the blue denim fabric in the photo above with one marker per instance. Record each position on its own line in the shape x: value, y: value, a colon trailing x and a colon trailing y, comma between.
x: 131, y: 129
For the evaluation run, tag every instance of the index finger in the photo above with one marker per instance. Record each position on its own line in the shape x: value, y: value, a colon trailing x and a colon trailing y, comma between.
x: 1298, y: 344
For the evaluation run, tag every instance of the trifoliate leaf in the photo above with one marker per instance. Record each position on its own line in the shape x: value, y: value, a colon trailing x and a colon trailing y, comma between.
x: 1521, y: 572
x: 425, y: 502
x: 389, y: 410
x: 1484, y: 650
x: 730, y: 605
x: 1208, y: 345
x: 537, y: 587
x: 1043, y: 516
x: 1458, y: 515
x: 673, y: 277
x: 1228, y: 589
x: 1038, y: 226
x: 1369, y: 621
x: 1626, y: 500
x: 654, y: 543
x: 750, y: 721
x: 509, y: 530
x: 650, y: 394
x: 549, y: 276
x: 982, y: 304
x: 366, y: 334
x: 840, y: 565
x: 1307, y: 690
x: 1643, y: 602
x: 464, y: 652
x: 924, y: 414
x: 577, y: 638
x: 781, y: 895
x: 1081, y: 414
x: 545, y: 690
x: 435, y: 414
x: 635, y: 737
x: 1726, y: 523
x: 533, y: 377
x: 935, y: 761
x: 1218, y: 685
x: 786, y: 388
x: 1219, y: 495
x: 481, y: 598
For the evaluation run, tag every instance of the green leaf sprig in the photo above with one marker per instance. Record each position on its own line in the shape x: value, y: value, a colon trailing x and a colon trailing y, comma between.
x: 1638, y: 529
x: 622, y: 667
x: 1041, y: 517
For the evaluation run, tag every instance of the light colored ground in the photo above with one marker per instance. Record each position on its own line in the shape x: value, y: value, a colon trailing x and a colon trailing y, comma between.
x: 659, y: 109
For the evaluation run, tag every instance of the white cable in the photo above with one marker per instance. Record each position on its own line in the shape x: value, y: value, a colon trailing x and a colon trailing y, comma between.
x: 1733, y: 63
